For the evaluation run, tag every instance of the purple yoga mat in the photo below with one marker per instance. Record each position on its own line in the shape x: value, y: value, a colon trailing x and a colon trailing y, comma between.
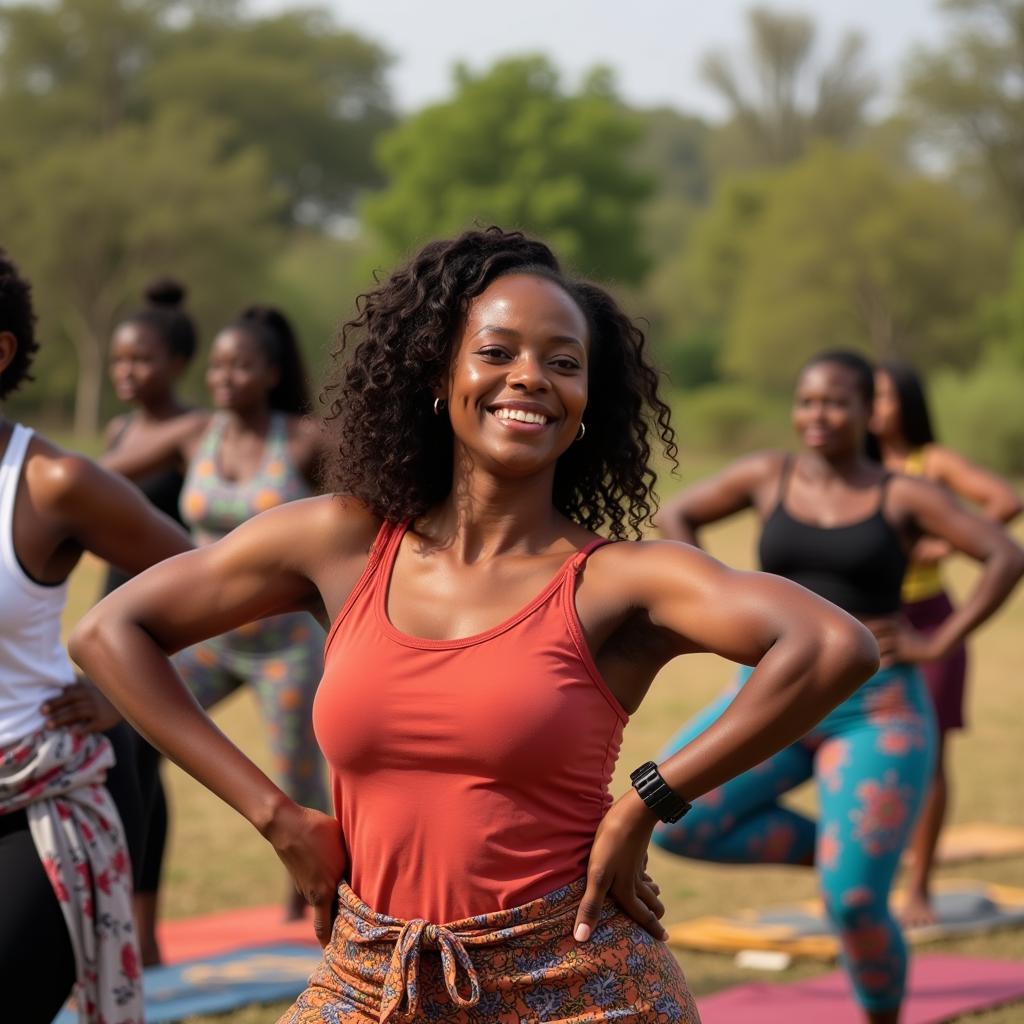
x: 941, y: 987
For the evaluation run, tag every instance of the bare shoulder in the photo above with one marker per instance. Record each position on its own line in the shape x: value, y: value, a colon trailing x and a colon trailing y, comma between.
x: 306, y: 429
x: 767, y: 463
x: 908, y: 495
x: 55, y: 476
x: 114, y: 429
x: 325, y: 527
x: 634, y: 567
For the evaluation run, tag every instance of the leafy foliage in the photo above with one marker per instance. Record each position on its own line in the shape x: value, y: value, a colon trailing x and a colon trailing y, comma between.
x: 512, y: 147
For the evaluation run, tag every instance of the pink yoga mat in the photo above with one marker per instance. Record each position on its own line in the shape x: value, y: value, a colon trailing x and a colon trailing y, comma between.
x: 941, y: 988
x: 192, y: 938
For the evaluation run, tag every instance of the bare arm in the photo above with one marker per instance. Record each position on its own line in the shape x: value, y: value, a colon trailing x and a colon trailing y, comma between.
x: 934, y: 513
x: 808, y: 657
x: 271, y: 564
x: 109, y: 517
x: 170, y: 442
x: 728, y: 492
x: 993, y: 495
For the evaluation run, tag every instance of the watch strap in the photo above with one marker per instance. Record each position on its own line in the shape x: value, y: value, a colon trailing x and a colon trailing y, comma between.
x: 656, y: 793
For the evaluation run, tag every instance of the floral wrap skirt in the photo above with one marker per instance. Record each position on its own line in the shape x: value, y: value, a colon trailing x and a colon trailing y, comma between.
x: 518, y: 966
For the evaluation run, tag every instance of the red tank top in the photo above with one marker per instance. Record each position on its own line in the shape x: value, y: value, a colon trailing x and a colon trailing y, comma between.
x: 468, y: 775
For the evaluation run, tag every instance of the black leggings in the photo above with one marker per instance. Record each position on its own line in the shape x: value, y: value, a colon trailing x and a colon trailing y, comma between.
x: 37, y: 963
x: 135, y: 785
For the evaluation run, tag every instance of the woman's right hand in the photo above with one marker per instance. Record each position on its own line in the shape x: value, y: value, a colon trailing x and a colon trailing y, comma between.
x: 310, y: 846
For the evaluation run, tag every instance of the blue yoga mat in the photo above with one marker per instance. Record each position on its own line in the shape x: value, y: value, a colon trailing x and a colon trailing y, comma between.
x: 265, y: 974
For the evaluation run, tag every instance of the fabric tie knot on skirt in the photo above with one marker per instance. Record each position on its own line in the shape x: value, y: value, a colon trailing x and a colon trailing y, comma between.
x: 401, y: 984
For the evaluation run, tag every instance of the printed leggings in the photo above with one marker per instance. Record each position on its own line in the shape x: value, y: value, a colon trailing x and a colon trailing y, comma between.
x: 282, y: 659
x: 871, y: 758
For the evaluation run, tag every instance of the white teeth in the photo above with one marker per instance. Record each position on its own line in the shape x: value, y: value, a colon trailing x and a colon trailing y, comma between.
x: 521, y: 415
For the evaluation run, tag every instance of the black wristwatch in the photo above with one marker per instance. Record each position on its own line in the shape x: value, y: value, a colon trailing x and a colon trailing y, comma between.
x: 668, y: 805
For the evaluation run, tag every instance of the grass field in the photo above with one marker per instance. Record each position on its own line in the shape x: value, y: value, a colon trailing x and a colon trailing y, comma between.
x: 216, y: 860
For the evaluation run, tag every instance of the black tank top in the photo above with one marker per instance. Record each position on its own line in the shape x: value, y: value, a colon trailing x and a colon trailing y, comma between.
x: 163, y: 489
x: 858, y: 566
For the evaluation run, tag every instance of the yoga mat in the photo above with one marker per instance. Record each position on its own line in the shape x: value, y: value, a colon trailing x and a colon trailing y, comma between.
x: 266, y: 974
x: 941, y: 988
x: 979, y: 840
x: 192, y: 938
x: 963, y: 908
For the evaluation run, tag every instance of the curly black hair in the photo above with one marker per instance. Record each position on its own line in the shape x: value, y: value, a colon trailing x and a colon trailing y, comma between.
x: 396, y: 456
x: 17, y: 317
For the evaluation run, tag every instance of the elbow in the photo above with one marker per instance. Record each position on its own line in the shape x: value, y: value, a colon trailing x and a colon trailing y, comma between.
x: 85, y: 639
x: 850, y: 655
x: 1011, y: 510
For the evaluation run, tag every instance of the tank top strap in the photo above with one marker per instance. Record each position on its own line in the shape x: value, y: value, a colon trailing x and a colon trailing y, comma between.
x: 382, y: 553
x: 277, y: 435
x: 210, y: 441
x: 10, y: 474
x: 883, y: 487
x: 784, y: 477
x: 579, y: 560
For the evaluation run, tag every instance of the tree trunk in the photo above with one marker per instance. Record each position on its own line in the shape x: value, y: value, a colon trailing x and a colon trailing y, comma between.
x: 89, y: 386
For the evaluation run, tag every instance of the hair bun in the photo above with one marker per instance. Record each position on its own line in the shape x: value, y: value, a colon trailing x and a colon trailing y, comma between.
x: 165, y: 291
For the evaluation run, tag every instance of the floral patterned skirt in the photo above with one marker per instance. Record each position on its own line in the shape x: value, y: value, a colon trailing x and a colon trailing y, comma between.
x: 518, y: 966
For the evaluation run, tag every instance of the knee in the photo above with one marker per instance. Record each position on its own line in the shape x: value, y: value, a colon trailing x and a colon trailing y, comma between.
x: 858, y: 911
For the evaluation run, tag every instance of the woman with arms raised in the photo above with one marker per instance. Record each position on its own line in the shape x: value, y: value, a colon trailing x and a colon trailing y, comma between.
x: 64, y: 869
x: 487, y: 648
x: 838, y: 523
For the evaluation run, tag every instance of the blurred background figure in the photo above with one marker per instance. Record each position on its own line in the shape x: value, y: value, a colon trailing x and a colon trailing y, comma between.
x: 149, y: 352
x: 59, y: 829
x: 903, y: 425
x: 255, y: 451
x: 837, y: 523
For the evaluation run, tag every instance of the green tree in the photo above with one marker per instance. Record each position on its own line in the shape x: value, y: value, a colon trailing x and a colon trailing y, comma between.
x: 309, y: 94
x: 92, y: 221
x: 849, y: 253
x: 512, y: 147
x: 968, y: 96
x: 771, y: 119
x: 312, y: 95
x: 692, y: 292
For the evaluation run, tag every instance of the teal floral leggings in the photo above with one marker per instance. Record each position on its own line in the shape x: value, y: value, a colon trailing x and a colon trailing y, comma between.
x: 871, y: 758
x: 281, y: 658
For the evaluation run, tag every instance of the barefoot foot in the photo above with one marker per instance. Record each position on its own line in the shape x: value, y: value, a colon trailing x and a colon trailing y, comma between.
x: 917, y: 911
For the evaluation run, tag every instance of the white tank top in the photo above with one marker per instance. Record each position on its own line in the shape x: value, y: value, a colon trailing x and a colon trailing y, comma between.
x: 33, y: 663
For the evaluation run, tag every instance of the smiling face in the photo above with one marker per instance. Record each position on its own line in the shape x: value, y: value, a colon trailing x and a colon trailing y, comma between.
x: 239, y: 376
x: 829, y: 412
x: 141, y: 366
x: 517, y: 387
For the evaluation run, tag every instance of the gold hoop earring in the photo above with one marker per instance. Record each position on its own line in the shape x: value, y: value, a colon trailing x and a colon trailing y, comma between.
x: 581, y: 433
x: 439, y: 404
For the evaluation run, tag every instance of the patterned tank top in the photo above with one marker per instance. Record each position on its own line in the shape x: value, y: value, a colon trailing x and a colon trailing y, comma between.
x: 212, y: 506
x: 923, y: 579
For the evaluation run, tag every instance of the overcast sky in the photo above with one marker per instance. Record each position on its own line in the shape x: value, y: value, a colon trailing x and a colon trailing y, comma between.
x: 653, y: 45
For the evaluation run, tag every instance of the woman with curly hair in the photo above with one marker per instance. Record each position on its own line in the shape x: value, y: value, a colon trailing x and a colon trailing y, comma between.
x: 840, y: 524
x: 496, y: 618
x: 64, y: 867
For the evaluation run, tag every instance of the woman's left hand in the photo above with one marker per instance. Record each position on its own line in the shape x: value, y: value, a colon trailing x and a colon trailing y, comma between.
x: 617, y: 868
x: 901, y: 644
x: 80, y: 706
